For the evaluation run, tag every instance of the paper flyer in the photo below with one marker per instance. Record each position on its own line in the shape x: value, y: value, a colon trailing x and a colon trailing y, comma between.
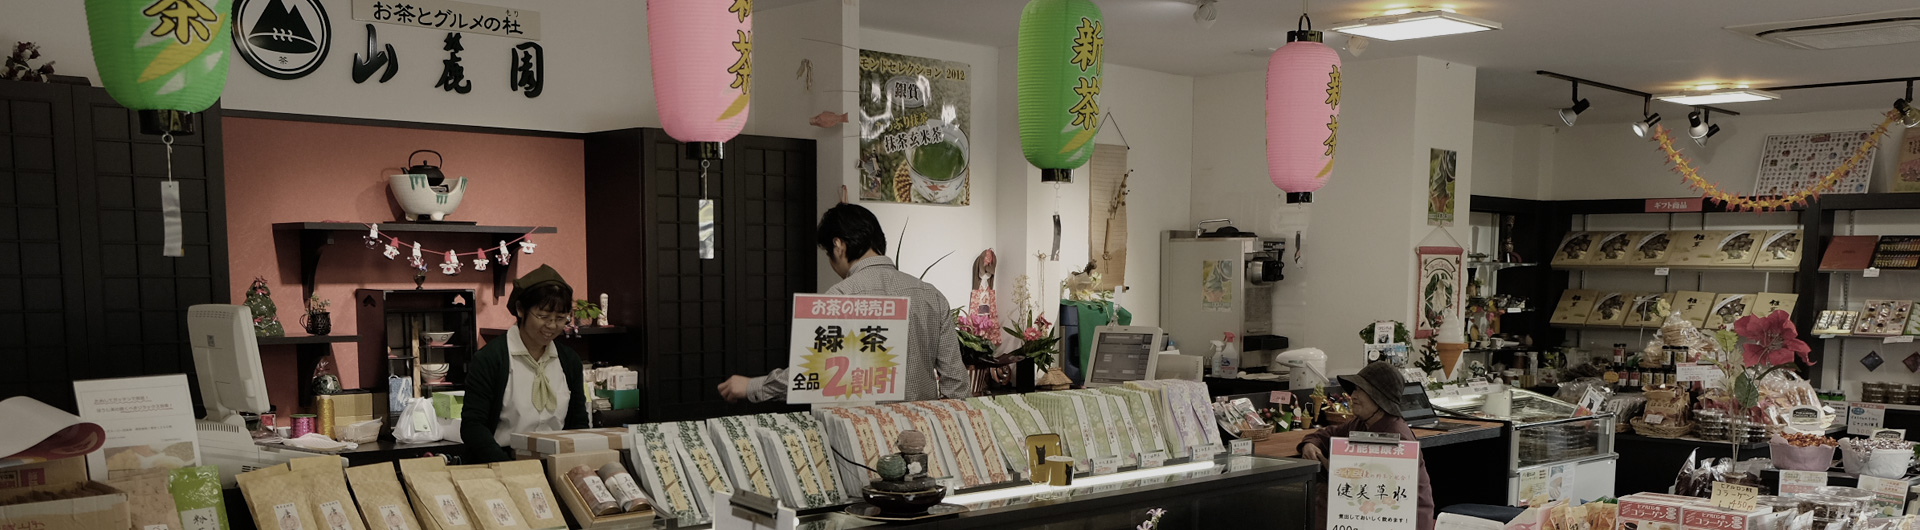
x: 148, y: 423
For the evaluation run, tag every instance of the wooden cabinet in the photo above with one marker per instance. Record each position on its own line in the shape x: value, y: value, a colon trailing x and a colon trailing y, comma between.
x: 84, y: 290
x: 699, y: 320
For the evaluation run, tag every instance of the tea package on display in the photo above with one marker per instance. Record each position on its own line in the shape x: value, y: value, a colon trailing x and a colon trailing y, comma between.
x: 278, y: 498
x: 327, y: 492
x: 382, y: 500
x: 148, y: 499
x: 197, y: 497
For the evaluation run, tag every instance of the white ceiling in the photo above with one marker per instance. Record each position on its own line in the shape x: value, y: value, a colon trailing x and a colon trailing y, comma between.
x: 1648, y: 45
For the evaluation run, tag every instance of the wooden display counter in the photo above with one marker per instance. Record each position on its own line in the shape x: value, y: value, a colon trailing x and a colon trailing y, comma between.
x: 1286, y: 444
x: 1466, y: 465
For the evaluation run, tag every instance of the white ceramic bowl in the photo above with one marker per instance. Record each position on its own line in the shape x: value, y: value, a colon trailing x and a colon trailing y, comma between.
x: 438, y: 338
x: 421, y: 200
x: 434, y: 371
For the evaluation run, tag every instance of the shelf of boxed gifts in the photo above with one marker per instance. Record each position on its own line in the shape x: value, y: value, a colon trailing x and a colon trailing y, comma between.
x: 1671, y: 268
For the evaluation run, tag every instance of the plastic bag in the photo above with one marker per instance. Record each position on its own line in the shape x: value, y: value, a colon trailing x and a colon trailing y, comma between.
x: 1683, y: 481
x: 417, y: 424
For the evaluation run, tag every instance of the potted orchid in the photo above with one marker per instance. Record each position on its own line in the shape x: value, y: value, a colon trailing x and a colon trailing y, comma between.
x: 1035, y: 332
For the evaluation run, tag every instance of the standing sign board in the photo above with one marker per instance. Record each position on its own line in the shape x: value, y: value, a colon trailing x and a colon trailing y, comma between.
x: 847, y: 349
x: 1373, y: 486
x: 148, y: 421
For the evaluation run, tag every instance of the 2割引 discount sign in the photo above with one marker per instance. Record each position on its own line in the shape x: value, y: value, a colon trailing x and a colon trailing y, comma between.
x: 847, y: 349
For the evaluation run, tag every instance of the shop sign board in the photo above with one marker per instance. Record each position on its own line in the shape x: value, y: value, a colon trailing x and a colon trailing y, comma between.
x: 848, y: 349
x: 1373, y: 486
x: 1889, y: 495
x: 1863, y: 418
x: 451, y: 15
x: 1689, y: 204
x: 1800, y: 482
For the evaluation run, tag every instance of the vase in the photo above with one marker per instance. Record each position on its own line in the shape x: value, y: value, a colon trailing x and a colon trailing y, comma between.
x: 320, y: 323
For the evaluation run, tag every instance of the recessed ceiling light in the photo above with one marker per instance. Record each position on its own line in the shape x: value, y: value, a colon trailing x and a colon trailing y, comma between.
x: 1415, y: 25
x: 1716, y: 97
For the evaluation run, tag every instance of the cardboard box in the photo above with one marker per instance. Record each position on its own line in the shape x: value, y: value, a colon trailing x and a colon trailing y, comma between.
x: 1575, y: 249
x: 106, y: 508
x: 1701, y: 516
x: 557, y: 466
x: 1726, y: 309
x: 1780, y: 248
x: 1765, y: 303
x: 1838, y: 323
x: 1642, y: 511
x: 1610, y: 309
x: 1650, y: 248
x: 1649, y: 310
x: 1883, y: 318
x: 1693, y: 306
x: 1694, y: 248
x: 1738, y: 248
x: 574, y: 441
x: 1613, y: 248
x: 1575, y: 306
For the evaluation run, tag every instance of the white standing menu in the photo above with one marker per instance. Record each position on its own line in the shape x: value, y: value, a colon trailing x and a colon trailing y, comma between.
x: 148, y: 423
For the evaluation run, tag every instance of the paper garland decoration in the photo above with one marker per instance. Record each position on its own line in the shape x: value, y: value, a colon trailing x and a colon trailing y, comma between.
x: 702, y: 58
x: 451, y: 267
x: 1748, y: 203
x: 1061, y: 45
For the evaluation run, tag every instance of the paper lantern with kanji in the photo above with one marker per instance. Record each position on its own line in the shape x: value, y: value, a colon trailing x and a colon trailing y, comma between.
x: 165, y: 58
x: 702, y: 57
x: 1061, y: 44
x: 1303, y: 114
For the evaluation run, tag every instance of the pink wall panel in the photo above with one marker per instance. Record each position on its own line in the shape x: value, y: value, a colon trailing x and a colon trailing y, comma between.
x: 286, y: 171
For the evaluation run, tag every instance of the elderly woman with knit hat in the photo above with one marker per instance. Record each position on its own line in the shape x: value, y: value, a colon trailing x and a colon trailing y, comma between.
x: 524, y: 381
x: 1376, y: 408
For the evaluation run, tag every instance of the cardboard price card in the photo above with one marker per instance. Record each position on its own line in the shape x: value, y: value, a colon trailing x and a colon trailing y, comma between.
x: 847, y: 349
x: 1373, y: 486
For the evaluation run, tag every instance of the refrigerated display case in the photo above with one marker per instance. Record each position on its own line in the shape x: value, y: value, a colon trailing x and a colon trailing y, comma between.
x: 1551, y: 444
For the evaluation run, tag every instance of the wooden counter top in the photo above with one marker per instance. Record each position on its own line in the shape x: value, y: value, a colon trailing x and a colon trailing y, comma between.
x: 1286, y: 444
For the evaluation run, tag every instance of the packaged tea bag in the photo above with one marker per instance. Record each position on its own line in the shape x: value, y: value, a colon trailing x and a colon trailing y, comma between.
x: 327, y: 493
x: 278, y: 499
x: 493, y: 508
x: 197, y: 496
x: 383, y: 501
x: 526, y: 483
x: 148, y: 501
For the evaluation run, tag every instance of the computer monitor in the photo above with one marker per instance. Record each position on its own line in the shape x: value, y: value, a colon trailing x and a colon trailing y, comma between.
x: 1124, y: 353
x: 226, y: 359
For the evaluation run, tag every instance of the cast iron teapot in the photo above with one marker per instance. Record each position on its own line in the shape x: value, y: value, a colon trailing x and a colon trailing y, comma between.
x: 434, y: 177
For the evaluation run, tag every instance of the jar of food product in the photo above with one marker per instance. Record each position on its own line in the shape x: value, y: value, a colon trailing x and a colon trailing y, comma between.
x: 1830, y: 508
x: 1861, y: 499
x: 1778, y: 503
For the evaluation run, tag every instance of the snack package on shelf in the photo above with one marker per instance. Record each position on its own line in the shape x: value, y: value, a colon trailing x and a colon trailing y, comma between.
x: 1613, y: 248
x: 1575, y: 249
x: 1709, y: 517
x: 1726, y: 309
x: 1642, y: 511
x: 1610, y: 309
x: 1779, y: 249
x: 1833, y: 322
x: 1883, y: 318
x: 1766, y: 303
x: 1575, y: 307
x: 1650, y: 249
x: 1695, y: 248
x: 1693, y: 306
x: 1649, y: 310
x: 1737, y: 248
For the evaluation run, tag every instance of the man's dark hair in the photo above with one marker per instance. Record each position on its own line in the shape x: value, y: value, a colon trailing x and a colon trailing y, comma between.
x: 854, y: 225
x: 553, y: 297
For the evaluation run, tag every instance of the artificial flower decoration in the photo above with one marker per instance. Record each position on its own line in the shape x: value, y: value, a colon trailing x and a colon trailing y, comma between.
x: 1771, y: 340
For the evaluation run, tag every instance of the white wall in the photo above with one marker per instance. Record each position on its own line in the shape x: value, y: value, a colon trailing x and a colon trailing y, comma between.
x: 1512, y: 161
x: 1606, y: 161
x: 596, y: 73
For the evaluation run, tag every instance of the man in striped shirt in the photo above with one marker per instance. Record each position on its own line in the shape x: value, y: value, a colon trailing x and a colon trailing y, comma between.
x: 856, y: 247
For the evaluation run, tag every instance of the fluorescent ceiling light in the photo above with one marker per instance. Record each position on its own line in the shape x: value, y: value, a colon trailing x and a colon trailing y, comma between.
x: 1415, y: 25
x: 1716, y: 97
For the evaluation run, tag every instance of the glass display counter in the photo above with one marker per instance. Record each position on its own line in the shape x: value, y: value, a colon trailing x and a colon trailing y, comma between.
x: 1550, y: 442
x: 1227, y: 492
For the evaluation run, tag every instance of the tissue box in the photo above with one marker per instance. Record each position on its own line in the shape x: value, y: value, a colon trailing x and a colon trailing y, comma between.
x: 105, y: 508
x: 622, y: 399
x: 574, y: 441
x: 1707, y: 517
x: 1642, y: 511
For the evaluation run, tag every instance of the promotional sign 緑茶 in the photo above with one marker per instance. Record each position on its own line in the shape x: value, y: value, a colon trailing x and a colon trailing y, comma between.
x: 847, y: 349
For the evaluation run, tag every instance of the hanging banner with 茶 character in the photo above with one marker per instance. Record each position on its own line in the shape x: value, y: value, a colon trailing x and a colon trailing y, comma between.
x: 847, y: 349
x: 914, y: 125
x: 1372, y: 486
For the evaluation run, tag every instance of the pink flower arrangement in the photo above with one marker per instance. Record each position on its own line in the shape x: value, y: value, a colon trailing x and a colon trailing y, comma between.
x: 981, y: 325
x: 1039, y: 330
x: 1771, y: 340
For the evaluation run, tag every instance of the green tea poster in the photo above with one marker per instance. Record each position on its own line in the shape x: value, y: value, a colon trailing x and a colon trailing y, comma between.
x: 914, y: 127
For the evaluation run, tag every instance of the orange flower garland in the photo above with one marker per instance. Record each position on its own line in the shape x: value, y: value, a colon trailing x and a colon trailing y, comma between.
x: 1758, y: 203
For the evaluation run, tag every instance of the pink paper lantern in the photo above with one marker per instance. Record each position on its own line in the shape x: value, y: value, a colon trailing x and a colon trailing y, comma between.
x: 1303, y: 114
x: 702, y: 57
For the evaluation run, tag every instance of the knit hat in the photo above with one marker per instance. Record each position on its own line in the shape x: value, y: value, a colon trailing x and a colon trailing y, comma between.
x: 541, y: 276
x: 1381, y: 381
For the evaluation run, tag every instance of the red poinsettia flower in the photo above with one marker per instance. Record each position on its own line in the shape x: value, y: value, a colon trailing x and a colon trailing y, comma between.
x: 1771, y: 340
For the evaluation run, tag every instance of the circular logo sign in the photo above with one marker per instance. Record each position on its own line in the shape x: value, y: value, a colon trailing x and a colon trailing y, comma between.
x: 284, y: 39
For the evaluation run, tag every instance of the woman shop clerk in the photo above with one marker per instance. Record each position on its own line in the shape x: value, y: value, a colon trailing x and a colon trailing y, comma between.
x: 524, y: 381
x: 1376, y: 408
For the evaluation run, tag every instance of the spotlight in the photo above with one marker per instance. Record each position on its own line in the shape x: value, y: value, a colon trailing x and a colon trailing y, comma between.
x: 1699, y: 128
x: 1579, y: 105
x: 1909, y: 115
x: 1207, y: 13
x: 1701, y: 140
x: 1644, y: 127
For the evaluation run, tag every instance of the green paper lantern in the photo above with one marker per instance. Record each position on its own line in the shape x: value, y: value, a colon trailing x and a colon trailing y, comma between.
x: 167, y: 58
x: 1061, y: 43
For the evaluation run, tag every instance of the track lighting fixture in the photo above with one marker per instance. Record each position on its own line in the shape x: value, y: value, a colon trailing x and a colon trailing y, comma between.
x: 1699, y: 128
x: 1909, y: 116
x: 1579, y: 105
x: 1645, y: 126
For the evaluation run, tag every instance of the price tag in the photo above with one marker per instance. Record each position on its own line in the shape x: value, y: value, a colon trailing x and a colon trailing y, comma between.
x: 1153, y: 459
x: 1864, y: 418
x: 1106, y: 465
x: 1897, y: 339
x: 1871, y: 272
x: 1655, y: 419
x: 1734, y: 496
x: 1449, y: 391
x: 1801, y: 482
x: 1242, y: 447
x: 1890, y: 434
x: 1205, y: 452
x: 1280, y: 397
x: 1688, y: 373
x: 1661, y: 271
x: 1478, y: 386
